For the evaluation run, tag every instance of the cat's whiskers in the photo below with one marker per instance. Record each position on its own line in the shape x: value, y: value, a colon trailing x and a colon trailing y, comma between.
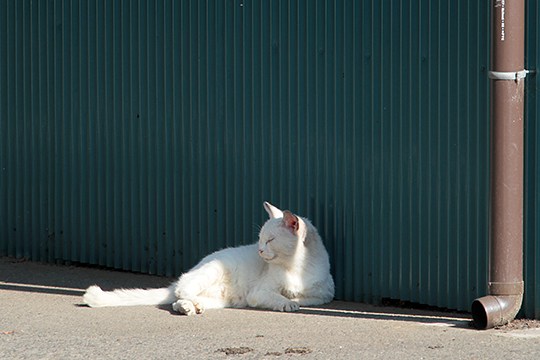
x: 256, y: 228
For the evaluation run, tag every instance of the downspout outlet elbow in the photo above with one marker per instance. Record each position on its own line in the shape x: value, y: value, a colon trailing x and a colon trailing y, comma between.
x: 495, y: 310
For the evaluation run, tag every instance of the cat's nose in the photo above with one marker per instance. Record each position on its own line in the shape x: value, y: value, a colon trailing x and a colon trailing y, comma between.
x: 260, y: 251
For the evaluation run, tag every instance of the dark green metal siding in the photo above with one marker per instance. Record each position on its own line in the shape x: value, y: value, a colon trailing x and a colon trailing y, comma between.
x: 531, y: 246
x: 141, y: 135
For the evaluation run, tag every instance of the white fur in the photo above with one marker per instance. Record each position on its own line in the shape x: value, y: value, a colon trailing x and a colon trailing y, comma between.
x: 287, y: 268
x: 95, y: 297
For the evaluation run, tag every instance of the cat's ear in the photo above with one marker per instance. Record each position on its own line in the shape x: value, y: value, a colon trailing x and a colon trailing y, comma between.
x: 295, y: 224
x: 272, y: 211
x: 291, y: 221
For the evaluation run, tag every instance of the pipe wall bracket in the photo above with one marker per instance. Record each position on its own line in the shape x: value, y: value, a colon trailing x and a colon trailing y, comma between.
x: 508, y: 75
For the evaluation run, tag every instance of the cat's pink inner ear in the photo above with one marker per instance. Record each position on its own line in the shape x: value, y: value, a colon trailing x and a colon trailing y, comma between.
x: 291, y: 221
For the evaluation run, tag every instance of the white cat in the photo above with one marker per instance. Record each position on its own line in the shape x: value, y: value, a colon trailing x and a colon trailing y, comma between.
x: 288, y: 268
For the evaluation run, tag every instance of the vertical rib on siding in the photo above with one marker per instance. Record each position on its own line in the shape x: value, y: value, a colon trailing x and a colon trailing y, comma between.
x: 141, y: 135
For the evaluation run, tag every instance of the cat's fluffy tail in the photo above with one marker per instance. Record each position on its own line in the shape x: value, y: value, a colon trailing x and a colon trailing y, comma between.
x: 95, y: 297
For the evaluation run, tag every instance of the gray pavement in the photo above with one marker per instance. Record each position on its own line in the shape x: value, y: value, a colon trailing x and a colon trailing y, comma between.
x: 41, y: 318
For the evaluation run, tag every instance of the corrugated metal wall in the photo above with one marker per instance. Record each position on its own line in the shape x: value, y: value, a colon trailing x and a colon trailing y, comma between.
x: 532, y: 169
x: 141, y: 135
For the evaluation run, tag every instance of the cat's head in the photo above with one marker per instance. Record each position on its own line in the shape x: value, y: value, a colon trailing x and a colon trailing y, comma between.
x: 282, y: 235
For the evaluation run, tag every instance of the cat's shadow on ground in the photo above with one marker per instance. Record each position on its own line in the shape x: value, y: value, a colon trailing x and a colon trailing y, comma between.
x: 372, y: 312
x: 368, y: 312
x: 169, y: 308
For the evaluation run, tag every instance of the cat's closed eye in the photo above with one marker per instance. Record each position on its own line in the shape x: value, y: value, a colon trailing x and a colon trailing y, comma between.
x: 269, y: 240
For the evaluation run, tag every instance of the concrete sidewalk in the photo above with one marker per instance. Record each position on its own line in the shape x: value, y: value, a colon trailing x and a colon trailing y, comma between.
x: 41, y: 318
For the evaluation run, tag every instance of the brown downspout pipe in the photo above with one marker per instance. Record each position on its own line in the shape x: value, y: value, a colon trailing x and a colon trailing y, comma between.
x: 506, y: 230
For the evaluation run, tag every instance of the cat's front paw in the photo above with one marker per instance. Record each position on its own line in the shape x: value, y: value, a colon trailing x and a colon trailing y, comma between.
x: 289, y: 306
x: 186, y: 307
